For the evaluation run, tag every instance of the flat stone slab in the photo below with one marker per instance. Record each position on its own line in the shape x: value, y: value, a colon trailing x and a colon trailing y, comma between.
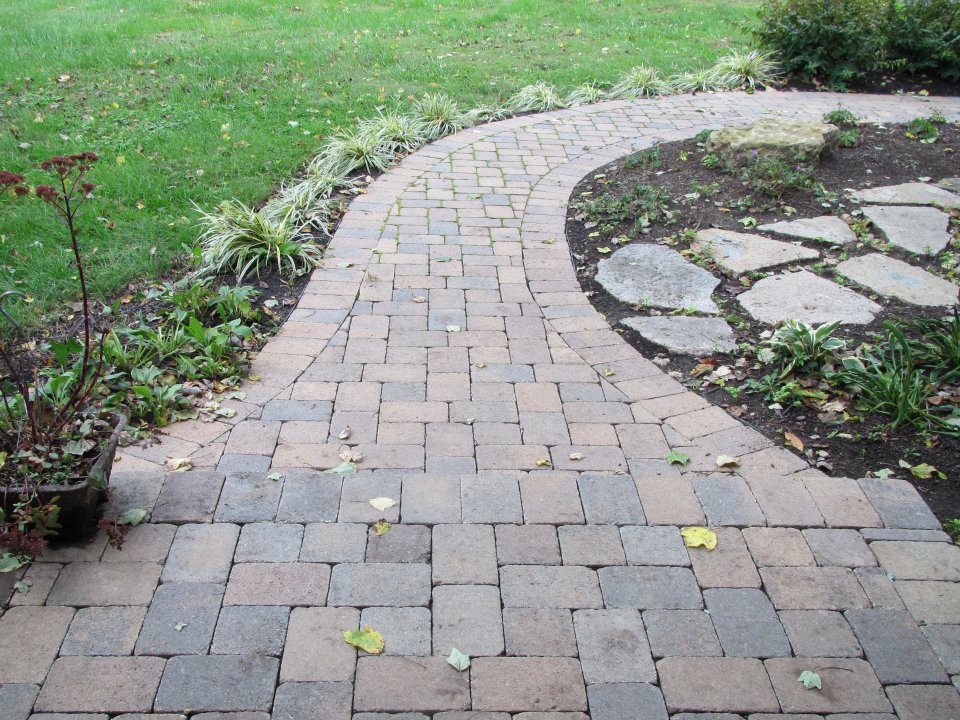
x: 657, y: 276
x: 952, y: 184
x: 908, y: 194
x: 807, y: 297
x: 688, y: 335
x: 826, y: 228
x: 920, y: 230
x: 895, y: 278
x: 737, y: 253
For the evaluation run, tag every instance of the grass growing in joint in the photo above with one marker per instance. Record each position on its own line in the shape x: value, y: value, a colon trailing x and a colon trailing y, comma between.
x: 200, y: 101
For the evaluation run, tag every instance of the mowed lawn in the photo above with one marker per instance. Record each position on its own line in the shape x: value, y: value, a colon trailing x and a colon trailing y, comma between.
x: 202, y: 100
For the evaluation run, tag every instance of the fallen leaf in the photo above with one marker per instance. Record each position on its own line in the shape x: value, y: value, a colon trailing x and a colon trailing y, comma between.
x: 480, y: 364
x: 225, y: 412
x: 882, y: 474
x: 699, y: 537
x: 727, y: 461
x: 469, y: 421
x: 345, y: 264
x: 925, y: 471
x: 810, y: 680
x: 419, y: 299
x: 22, y: 586
x: 382, y: 527
x: 460, y: 661
x: 178, y: 464
x: 603, y: 250
x: 132, y: 517
x: 607, y: 372
x: 344, y: 468
x: 275, y: 476
x: 253, y: 378
x: 543, y: 462
x: 576, y: 456
x: 453, y: 328
x: 442, y: 258
x: 793, y: 441
x: 549, y: 241
x: 382, y: 503
x: 368, y: 640
x: 351, y: 456
x: 180, y: 626
x: 677, y: 458
x: 345, y: 433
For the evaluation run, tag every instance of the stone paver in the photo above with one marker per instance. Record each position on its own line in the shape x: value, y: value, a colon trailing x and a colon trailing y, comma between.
x: 774, y: 299
x: 897, y: 279
x: 737, y: 253
x: 537, y: 522
x: 688, y: 335
x: 826, y: 228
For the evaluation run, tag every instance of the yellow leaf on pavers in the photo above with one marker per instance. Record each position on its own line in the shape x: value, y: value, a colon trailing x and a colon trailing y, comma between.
x: 699, y: 537
x: 381, y: 528
x: 727, y: 461
x: 543, y: 462
x: 368, y: 640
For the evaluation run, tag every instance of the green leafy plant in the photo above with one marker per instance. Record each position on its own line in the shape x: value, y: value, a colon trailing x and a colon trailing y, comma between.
x: 585, y: 94
x: 539, y: 97
x: 923, y: 36
x: 751, y: 69
x: 646, y: 159
x: 241, y: 240
x: 640, y: 81
x: 924, y: 129
x: 641, y: 204
x: 800, y: 347
x: 773, y: 177
x: 360, y: 148
x: 849, y: 138
x: 400, y: 133
x: 702, y: 80
x: 841, y: 117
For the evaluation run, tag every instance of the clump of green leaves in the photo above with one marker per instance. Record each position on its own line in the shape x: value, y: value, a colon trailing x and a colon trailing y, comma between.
x: 750, y: 69
x: 925, y: 129
x: 801, y: 347
x: 841, y: 117
x: 702, y: 80
x: 773, y: 178
x: 539, y: 97
x: 440, y: 115
x: 640, y: 81
x: 362, y: 148
x: 585, y: 93
x: 646, y: 159
x: 641, y: 204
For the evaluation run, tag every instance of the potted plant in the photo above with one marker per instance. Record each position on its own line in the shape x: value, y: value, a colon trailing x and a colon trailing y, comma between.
x: 57, y: 443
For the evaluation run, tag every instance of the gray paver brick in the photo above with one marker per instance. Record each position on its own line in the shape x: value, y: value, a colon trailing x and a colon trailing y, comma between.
x: 919, y: 560
x: 728, y: 501
x: 654, y: 545
x: 277, y: 584
x: 89, y: 583
x: 849, y: 685
x: 802, y: 588
x: 613, y: 646
x: 536, y: 684
x: 327, y: 700
x: 550, y: 587
x: 217, y: 682
x: 16, y: 700
x: 201, y: 553
x: 124, y: 684
x: 681, y: 632
x: 616, y: 701
x: 269, y: 542
x: 844, y: 548
x: 527, y: 545
x: 539, y: 632
x: 380, y: 584
x: 729, y: 564
x: 315, y: 649
x: 879, y: 588
x: 188, y: 497
x: 899, y: 504
x: 593, y: 545
x: 464, y: 554
x: 648, y: 588
x: 359, y: 489
x: 398, y: 684
x: 930, y: 601
x: 785, y: 501
x: 820, y: 633
x: 406, y: 631
x: 551, y: 498
x: 181, y: 619
x: 309, y: 498
x: 945, y: 641
x: 841, y: 502
x: 610, y: 500
x: 467, y: 617
x: 925, y: 702
x: 248, y: 497
x: 778, y: 547
x: 103, y: 631
x: 143, y: 543
x: 29, y: 640
x: 403, y: 543
x: 716, y: 685
x: 334, y: 542
x: 250, y: 630
x: 490, y: 499
x: 746, y: 623
x: 895, y: 647
x: 431, y: 499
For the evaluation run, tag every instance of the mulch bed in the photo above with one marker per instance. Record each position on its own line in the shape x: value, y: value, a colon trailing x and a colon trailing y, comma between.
x: 884, y: 156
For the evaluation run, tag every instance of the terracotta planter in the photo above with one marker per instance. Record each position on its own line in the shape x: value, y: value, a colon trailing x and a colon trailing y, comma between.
x: 78, y: 502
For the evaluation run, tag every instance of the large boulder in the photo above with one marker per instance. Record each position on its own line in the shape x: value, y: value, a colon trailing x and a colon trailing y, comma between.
x: 793, y: 141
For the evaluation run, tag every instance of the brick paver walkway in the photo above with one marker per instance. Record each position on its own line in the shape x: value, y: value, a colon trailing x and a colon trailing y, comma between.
x: 461, y: 354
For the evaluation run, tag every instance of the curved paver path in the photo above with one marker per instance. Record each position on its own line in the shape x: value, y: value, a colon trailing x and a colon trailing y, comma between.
x: 569, y: 584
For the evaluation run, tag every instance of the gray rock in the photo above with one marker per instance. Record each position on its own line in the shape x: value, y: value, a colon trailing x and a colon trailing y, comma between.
x: 952, y: 184
x: 688, y: 335
x: 788, y: 140
x: 657, y: 276
x: 920, y: 230
x: 895, y: 278
x: 826, y: 228
x: 807, y: 297
x: 908, y: 194
x: 738, y: 253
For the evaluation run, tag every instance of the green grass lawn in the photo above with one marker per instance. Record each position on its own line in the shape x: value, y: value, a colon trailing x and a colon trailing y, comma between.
x: 201, y: 100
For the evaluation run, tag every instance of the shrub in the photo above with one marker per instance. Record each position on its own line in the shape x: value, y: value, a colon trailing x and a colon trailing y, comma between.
x: 746, y: 69
x: 841, y: 117
x: 440, y: 115
x: 641, y: 81
x: 539, y: 97
x: 835, y: 40
x: 924, y: 36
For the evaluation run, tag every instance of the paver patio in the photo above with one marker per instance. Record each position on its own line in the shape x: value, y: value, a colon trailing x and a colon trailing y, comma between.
x: 458, y: 349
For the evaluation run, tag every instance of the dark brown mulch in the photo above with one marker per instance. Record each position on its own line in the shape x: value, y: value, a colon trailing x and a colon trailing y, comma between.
x: 887, y: 83
x: 884, y: 156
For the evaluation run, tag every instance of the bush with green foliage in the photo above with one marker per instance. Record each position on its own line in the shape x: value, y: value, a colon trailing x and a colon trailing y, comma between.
x: 924, y: 36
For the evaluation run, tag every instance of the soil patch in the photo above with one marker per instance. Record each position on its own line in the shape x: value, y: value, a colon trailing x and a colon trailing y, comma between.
x: 702, y: 197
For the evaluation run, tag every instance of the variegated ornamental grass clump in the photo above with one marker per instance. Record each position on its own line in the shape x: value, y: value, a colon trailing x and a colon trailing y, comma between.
x: 282, y: 234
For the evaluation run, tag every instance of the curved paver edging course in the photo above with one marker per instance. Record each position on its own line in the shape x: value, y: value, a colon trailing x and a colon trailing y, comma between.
x: 537, y: 572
